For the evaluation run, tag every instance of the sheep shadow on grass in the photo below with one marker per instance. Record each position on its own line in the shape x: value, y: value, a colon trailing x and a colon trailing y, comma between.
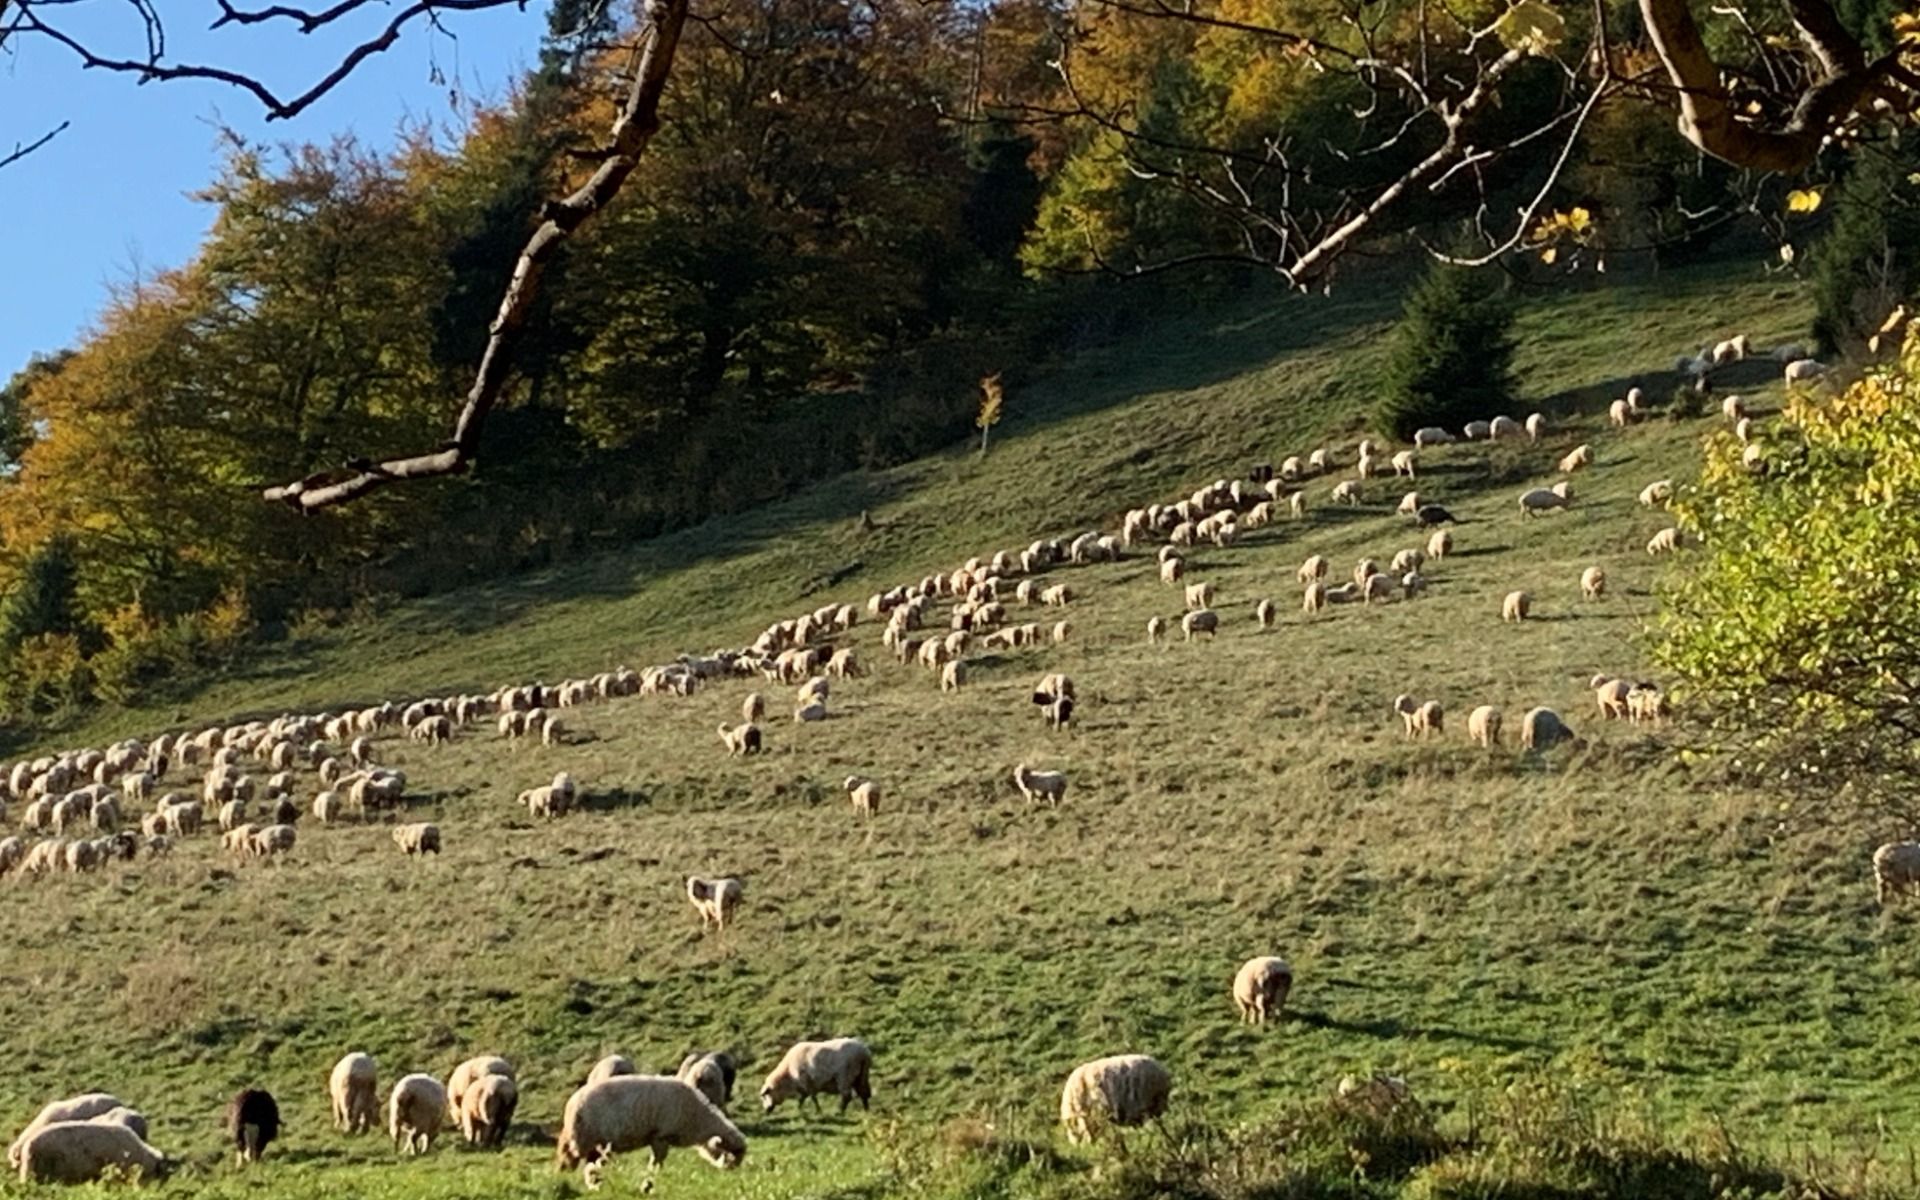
x: 1393, y: 1027
x: 613, y: 799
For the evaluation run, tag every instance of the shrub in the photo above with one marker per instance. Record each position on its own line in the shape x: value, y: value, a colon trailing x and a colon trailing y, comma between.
x: 1869, y: 259
x: 1451, y: 358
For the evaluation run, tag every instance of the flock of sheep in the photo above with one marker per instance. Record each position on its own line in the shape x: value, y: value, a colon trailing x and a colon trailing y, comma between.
x: 256, y: 780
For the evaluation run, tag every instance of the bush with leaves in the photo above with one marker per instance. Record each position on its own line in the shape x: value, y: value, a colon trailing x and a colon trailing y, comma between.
x: 1795, y: 625
x: 1451, y: 360
x: 1869, y: 257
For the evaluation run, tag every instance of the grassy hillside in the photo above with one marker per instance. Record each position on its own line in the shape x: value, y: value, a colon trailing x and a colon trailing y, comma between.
x: 1460, y: 917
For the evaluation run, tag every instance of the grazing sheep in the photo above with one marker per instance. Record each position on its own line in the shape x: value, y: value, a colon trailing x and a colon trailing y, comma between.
x: 740, y: 739
x: 418, y: 838
x: 709, y: 1073
x: 716, y: 900
x: 1156, y: 630
x: 1404, y: 463
x: 1536, y: 425
x: 253, y: 1121
x: 1483, y: 725
x: 355, y: 1091
x: 1440, y: 544
x: 1199, y: 595
x: 1263, y: 613
x: 1314, y: 598
x: 329, y: 807
x: 1575, y: 459
x: 1803, y: 369
x: 1896, y: 870
x: 486, y: 1110
x: 1432, y: 435
x: 85, y: 1151
x: 864, y: 793
x: 1542, y: 729
x: 416, y: 1108
x: 1062, y: 630
x: 817, y: 710
x: 1314, y: 568
x: 1124, y: 1090
x: 953, y: 676
x: 1516, y: 606
x: 1611, y: 695
x: 1619, y: 414
x: 1503, y: 426
x: 1377, y: 587
x: 464, y: 1075
x: 1657, y: 493
x: 1593, y: 583
x: 1036, y: 786
x: 808, y: 1070
x: 1347, y: 491
x: 1646, y: 702
x: 1743, y: 430
x: 58, y: 1112
x: 1665, y: 542
x: 1297, y: 504
x: 1409, y: 504
x: 1260, y: 988
x: 275, y: 841
x: 1429, y: 718
x: 753, y: 708
x: 1535, y: 501
x: 626, y: 1112
x: 611, y: 1066
x: 1172, y: 569
x: 1203, y: 620
x: 1406, y: 706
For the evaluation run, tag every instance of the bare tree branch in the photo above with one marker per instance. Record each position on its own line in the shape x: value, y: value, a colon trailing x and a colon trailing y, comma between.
x: 20, y: 151
x: 633, y: 129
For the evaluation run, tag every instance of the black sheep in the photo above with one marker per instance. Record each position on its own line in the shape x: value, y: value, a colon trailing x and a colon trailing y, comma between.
x: 253, y: 1121
x: 1434, y: 514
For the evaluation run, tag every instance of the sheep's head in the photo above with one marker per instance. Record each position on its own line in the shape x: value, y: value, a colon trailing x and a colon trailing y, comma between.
x: 723, y: 1151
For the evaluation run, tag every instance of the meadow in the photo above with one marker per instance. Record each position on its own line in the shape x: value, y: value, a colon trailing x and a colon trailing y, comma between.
x: 1599, y: 928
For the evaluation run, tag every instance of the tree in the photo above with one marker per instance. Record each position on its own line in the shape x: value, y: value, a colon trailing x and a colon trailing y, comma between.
x: 1794, y: 623
x: 992, y: 397
x: 45, y: 597
x: 1869, y: 258
x: 1451, y: 358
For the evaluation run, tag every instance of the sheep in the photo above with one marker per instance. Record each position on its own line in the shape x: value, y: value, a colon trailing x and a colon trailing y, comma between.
x: 1619, y: 414
x: 837, y: 1067
x: 1664, y: 542
x: 1502, y: 427
x: 1345, y: 593
x: 417, y: 839
x: 1412, y: 584
x: 1593, y: 583
x: 1542, y: 729
x: 1260, y: 988
x: 486, y: 1110
x: 1409, y: 504
x: 1199, y: 595
x: 57, y: 1112
x: 1646, y: 702
x: 815, y: 711
x: 541, y: 802
x: 85, y: 1151
x: 552, y: 731
x: 1347, y: 491
x: 1636, y: 400
x: 864, y: 793
x: 1036, y: 786
x: 1575, y: 459
x: 1432, y: 435
x: 1743, y: 430
x: 1516, y: 606
x: 1172, y: 569
x: 753, y: 708
x: 1062, y: 630
x: 126, y: 1118
x: 1896, y: 870
x: 1535, y: 501
x: 611, y: 1066
x: 1483, y: 725
x: 1407, y: 560
x: 1123, y: 1090
x: 329, y: 807
x: 1536, y: 425
x: 354, y: 1089
x: 275, y: 841
x: 953, y: 676
x: 1611, y: 695
x: 1315, y: 567
x: 1263, y: 614
x: 1429, y: 718
x: 710, y: 1074
x: 1733, y: 408
x: 12, y: 850
x: 1802, y: 369
x: 1297, y: 505
x: 1203, y: 620
x: 1656, y: 493
x: 416, y: 1108
x: 253, y: 1122
x: 1319, y: 460
x: 1057, y: 596
x: 1440, y: 544
x: 626, y: 1112
x: 1404, y: 463
x: 1377, y: 587
x: 740, y: 739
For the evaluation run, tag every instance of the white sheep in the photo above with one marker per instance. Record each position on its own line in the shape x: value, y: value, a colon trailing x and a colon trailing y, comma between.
x: 1316, y: 567
x: 1504, y: 427
x: 953, y: 676
x: 1409, y: 504
x: 1432, y: 435
x: 1664, y: 542
x: 1203, y: 620
x: 416, y: 1108
x: 1611, y: 695
x: 1405, y: 463
x: 1440, y: 544
x: 612, y: 1066
x: 865, y: 795
x: 354, y: 1089
x: 1733, y: 408
x: 740, y: 740
x: 1593, y: 582
x: 417, y: 839
x: 464, y: 1075
x: 1535, y: 501
x: 74, y: 1108
x: 1801, y: 370
x: 1575, y: 459
x: 626, y: 1112
x: 1123, y: 1090
x: 1619, y: 414
x: 1036, y: 786
x: 1478, y: 431
x: 1483, y: 725
x: 85, y: 1151
x: 1347, y: 491
x: 487, y: 1108
x: 1516, y: 607
x: 1264, y: 613
x: 1536, y: 425
x: 817, y: 710
x: 1260, y: 988
x: 1656, y: 493
x: 716, y: 900
x: 837, y: 1067
x: 1542, y: 729
x: 1377, y: 587
x: 1156, y: 630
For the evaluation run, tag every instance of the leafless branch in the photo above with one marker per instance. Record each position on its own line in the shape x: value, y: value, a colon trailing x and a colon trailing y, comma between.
x: 633, y: 129
x: 20, y: 150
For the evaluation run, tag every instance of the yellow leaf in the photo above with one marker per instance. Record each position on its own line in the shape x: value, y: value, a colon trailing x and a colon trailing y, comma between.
x: 1578, y: 219
x: 1549, y: 254
x: 1532, y: 27
x: 1803, y: 201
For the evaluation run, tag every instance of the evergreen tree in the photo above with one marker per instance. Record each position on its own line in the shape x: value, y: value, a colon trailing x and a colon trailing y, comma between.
x: 1869, y: 258
x: 1451, y: 359
x: 45, y: 599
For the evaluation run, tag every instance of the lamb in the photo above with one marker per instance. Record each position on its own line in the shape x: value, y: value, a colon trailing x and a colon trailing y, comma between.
x: 808, y: 1070
x: 1646, y: 702
x: 85, y: 1151
x: 1593, y: 583
x: 486, y: 1110
x: 1203, y: 620
x: 1314, y: 568
x: 1542, y: 729
x: 73, y: 1109
x: 1535, y: 501
x: 1536, y: 425
x: 1440, y: 544
x: 253, y: 1121
x: 1743, y: 430
x: 1733, y: 408
x: 1036, y: 786
x: 1260, y: 988
x: 1516, y: 606
x: 865, y: 794
x: 1656, y: 493
x: 711, y: 1074
x: 1124, y: 1090
x: 416, y: 1108
x: 1483, y: 725
x: 355, y: 1091
x: 740, y: 739
x: 1619, y: 414
x: 1576, y: 458
x: 1611, y: 695
x: 1156, y: 630
x: 611, y: 1066
x: 1896, y: 870
x: 418, y: 838
x: 1665, y: 542
x: 626, y: 1112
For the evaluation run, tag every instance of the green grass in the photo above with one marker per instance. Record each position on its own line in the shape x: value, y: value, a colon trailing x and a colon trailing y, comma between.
x: 1463, y: 918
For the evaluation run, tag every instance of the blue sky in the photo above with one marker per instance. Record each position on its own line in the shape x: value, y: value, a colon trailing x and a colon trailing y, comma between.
x: 109, y: 197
